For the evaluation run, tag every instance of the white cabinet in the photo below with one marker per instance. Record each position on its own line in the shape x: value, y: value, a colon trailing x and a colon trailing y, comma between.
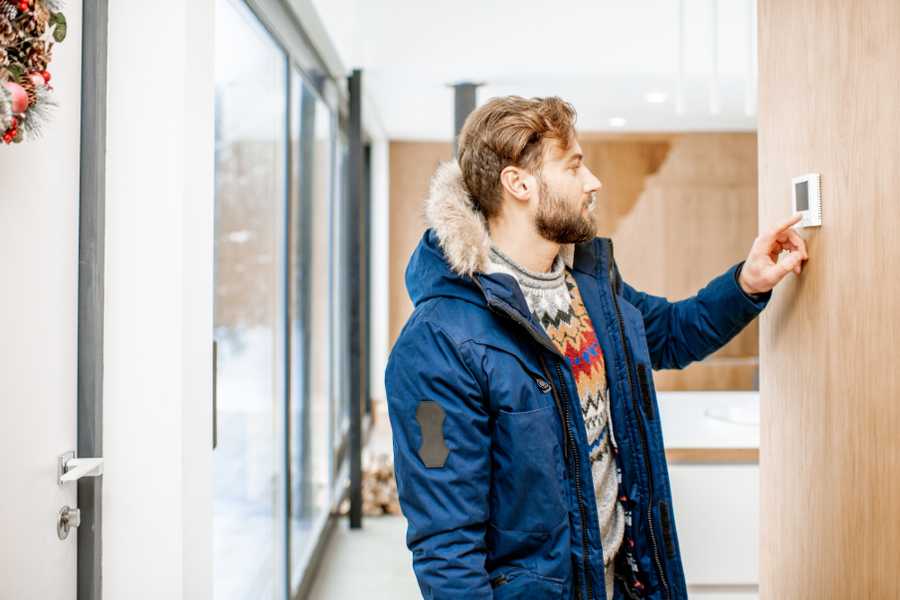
x: 717, y: 514
x: 716, y: 504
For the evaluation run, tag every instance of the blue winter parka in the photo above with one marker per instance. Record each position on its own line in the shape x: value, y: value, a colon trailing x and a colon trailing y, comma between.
x: 490, y: 447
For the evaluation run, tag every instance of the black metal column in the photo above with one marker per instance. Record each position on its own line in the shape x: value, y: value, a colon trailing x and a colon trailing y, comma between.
x: 91, y: 236
x: 355, y: 216
x: 464, y: 101
x: 367, y: 285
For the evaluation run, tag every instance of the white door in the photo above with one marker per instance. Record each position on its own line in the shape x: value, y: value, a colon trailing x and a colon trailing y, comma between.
x: 38, y: 291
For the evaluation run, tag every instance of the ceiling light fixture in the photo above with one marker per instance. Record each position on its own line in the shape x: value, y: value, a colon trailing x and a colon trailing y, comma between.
x: 617, y: 122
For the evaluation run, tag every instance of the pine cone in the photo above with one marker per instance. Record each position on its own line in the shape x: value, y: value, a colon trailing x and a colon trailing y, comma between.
x: 30, y: 90
x: 30, y: 26
x: 7, y: 30
x: 4, y: 59
x: 8, y: 11
x: 38, y: 56
x: 42, y: 16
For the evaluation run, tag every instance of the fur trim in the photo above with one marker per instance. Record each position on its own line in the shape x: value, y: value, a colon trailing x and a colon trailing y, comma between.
x: 461, y: 230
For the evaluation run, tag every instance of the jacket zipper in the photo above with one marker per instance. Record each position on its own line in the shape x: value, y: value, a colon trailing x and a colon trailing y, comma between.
x: 644, y: 443
x: 578, y: 493
x: 562, y: 407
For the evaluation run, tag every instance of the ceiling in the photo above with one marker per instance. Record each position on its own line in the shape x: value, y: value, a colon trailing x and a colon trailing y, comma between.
x: 603, y: 56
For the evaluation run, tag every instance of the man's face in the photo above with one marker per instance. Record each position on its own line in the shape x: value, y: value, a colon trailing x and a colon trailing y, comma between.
x: 566, y: 196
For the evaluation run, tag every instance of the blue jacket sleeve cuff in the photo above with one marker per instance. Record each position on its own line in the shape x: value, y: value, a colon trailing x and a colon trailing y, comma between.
x: 758, y: 301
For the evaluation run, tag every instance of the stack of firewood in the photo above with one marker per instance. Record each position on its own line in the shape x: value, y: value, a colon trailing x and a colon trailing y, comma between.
x: 379, y: 488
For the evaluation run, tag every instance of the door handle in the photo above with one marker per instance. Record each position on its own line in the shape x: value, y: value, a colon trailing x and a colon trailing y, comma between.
x: 70, y: 468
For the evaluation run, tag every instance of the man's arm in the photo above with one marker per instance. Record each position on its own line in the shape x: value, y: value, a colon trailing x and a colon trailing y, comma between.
x: 679, y: 333
x: 442, y: 460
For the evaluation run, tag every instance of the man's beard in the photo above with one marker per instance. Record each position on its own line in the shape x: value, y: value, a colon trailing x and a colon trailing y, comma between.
x: 558, y: 222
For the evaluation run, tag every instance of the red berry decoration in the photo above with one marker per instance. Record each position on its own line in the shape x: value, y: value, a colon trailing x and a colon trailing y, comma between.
x: 46, y: 76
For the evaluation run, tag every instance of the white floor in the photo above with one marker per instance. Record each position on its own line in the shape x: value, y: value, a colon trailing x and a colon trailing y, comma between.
x: 371, y: 563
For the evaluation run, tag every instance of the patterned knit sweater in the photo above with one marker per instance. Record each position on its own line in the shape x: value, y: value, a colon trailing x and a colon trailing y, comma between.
x: 554, y: 300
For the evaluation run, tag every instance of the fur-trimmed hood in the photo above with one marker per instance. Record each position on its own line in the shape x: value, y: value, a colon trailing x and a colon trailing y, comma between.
x: 461, y: 229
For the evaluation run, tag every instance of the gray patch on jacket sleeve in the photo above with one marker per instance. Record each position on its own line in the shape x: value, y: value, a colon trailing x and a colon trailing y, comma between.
x: 430, y: 417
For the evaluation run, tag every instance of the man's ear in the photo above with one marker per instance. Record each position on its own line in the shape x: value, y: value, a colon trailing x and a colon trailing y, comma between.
x: 518, y: 182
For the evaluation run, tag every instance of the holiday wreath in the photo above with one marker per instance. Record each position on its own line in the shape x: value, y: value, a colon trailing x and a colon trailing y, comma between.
x: 25, y: 48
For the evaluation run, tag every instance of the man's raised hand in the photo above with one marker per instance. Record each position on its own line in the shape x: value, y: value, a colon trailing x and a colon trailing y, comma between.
x: 763, y: 268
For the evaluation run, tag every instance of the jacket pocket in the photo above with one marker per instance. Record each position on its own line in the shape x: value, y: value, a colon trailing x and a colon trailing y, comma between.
x: 644, y: 382
x: 523, y: 584
x: 528, y: 473
x: 665, y: 521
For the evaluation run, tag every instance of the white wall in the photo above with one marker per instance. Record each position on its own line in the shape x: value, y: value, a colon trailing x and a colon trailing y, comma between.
x: 380, y: 263
x: 157, y: 522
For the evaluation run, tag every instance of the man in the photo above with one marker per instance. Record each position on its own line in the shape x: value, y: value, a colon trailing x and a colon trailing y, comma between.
x: 528, y: 453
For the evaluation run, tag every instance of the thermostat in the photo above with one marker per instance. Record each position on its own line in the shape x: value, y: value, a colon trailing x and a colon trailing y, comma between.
x: 808, y: 200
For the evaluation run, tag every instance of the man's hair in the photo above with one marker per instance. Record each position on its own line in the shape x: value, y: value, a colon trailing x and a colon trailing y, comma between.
x: 509, y: 130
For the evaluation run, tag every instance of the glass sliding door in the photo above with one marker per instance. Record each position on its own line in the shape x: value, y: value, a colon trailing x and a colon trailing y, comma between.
x: 312, y: 311
x: 341, y: 355
x: 250, y: 307
x: 280, y: 310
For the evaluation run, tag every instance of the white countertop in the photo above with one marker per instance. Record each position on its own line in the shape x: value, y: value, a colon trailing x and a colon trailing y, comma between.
x: 710, y: 419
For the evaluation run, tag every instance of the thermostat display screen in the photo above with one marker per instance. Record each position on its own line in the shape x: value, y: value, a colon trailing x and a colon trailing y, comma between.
x: 801, y: 189
x: 807, y: 199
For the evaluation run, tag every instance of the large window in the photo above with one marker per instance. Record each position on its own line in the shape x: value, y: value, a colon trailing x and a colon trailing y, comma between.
x: 312, y: 316
x: 341, y: 354
x: 278, y: 306
x: 250, y: 204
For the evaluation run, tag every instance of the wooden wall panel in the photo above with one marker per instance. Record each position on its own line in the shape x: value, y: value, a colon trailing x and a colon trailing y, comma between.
x: 694, y: 218
x: 411, y: 166
x: 624, y: 165
x: 829, y: 383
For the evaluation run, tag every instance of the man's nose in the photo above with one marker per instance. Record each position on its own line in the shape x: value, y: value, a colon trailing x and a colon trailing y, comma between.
x: 593, y: 184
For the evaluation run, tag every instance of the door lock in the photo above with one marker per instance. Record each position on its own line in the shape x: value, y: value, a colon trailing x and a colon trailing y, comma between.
x: 69, y: 468
x: 66, y: 519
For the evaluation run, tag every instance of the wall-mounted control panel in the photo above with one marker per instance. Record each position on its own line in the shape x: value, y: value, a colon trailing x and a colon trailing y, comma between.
x: 807, y: 199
